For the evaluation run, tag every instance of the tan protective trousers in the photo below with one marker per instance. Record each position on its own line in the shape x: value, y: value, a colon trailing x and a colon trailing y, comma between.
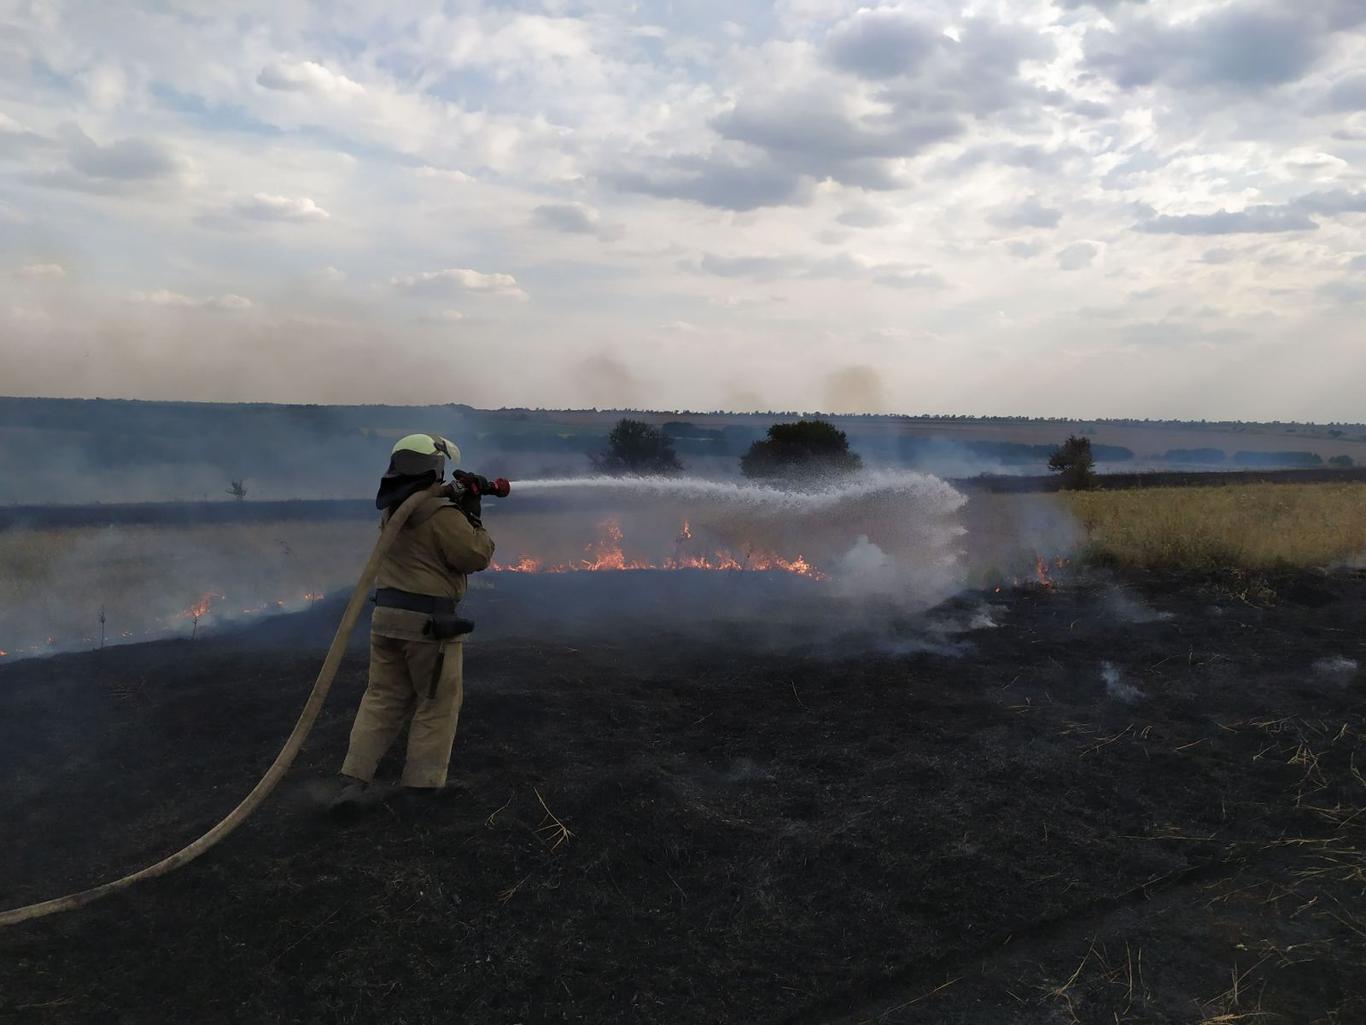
x: 421, y: 679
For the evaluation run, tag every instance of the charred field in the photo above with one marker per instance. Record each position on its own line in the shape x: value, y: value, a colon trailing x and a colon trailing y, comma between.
x: 1110, y: 800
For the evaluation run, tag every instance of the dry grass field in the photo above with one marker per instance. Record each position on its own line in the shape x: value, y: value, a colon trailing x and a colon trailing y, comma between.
x: 1252, y: 528
x: 54, y: 583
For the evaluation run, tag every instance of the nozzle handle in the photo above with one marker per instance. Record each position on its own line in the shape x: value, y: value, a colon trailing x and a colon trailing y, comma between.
x: 498, y: 487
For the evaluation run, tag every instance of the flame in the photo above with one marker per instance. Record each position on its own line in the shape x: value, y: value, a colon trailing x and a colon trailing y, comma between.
x: 313, y: 596
x: 607, y: 554
x: 201, y: 607
x: 1041, y: 571
x: 3, y: 654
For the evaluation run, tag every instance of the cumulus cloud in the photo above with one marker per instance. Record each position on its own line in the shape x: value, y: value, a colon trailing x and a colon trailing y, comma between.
x: 1077, y: 255
x: 166, y: 298
x: 459, y: 279
x: 721, y: 178
x: 306, y: 77
x: 891, y: 87
x: 748, y: 266
x: 1028, y: 213
x: 1333, y: 201
x: 1218, y: 256
x: 48, y: 271
x: 882, y: 43
x: 1236, y: 46
x: 122, y: 165
x: 571, y: 218
x: 125, y: 160
x: 1265, y: 219
x: 1347, y: 94
x: 262, y: 206
x: 865, y: 216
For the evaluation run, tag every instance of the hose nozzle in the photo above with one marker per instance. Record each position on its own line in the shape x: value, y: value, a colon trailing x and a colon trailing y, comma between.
x: 499, y: 487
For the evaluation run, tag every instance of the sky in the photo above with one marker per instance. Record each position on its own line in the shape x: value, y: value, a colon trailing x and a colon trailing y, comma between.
x: 1037, y: 207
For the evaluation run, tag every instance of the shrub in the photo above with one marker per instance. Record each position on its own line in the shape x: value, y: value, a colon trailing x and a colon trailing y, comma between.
x: 634, y: 447
x: 1074, y: 460
x: 805, y: 450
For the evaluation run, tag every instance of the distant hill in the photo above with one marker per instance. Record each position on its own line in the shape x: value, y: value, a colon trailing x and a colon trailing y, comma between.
x: 84, y: 450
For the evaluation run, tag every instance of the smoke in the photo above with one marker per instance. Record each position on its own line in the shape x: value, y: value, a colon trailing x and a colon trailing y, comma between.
x: 1339, y: 667
x: 865, y: 562
x: 605, y: 381
x: 855, y: 389
x: 1115, y: 686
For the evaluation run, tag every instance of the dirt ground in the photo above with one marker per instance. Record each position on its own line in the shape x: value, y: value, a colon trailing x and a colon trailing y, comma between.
x: 1099, y: 803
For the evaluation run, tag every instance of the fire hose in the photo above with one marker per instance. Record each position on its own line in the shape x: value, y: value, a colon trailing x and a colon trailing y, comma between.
x: 296, y: 738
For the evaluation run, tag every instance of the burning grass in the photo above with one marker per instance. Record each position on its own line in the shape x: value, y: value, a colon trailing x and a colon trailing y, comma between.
x: 1254, y: 528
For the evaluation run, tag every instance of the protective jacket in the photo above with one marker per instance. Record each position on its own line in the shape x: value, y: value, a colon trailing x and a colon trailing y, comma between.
x: 414, y: 677
x: 437, y: 548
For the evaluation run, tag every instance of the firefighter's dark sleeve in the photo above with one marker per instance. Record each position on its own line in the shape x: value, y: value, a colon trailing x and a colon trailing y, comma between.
x: 465, y: 548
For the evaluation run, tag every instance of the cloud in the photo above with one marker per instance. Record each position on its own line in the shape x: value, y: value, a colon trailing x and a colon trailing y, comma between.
x: 1344, y: 292
x: 1266, y: 219
x: 881, y: 43
x: 307, y: 77
x: 825, y: 135
x: 1333, y: 201
x: 124, y: 164
x: 262, y: 206
x: 1028, y: 213
x: 748, y: 266
x: 459, y: 279
x: 1024, y: 250
x: 722, y: 179
x: 1237, y: 46
x: 839, y: 266
x: 1218, y: 256
x: 795, y: 123
x: 443, y: 174
x: 909, y: 279
x: 1347, y: 94
x: 166, y: 298
x: 1077, y: 255
x: 47, y: 271
x: 865, y: 216
x: 571, y: 218
x: 1358, y: 262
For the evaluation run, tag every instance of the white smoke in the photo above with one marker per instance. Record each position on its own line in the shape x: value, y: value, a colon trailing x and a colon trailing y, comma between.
x: 1115, y: 686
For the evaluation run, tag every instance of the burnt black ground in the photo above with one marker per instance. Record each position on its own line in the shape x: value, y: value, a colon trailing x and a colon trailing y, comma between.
x: 829, y: 836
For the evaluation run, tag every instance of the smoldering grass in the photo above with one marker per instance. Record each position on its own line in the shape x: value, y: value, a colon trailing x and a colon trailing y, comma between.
x: 1115, y: 686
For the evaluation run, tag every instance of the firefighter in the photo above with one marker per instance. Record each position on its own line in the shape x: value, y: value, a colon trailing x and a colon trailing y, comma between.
x: 415, y: 635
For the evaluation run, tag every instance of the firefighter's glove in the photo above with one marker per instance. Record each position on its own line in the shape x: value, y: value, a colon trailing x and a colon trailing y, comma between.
x: 471, y: 504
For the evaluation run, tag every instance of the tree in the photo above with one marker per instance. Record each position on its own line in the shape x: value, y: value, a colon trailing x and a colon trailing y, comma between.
x: 634, y: 447
x: 1346, y: 462
x: 238, y: 489
x: 805, y: 450
x: 1073, y: 459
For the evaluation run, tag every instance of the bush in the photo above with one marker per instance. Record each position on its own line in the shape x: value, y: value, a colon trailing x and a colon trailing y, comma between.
x: 634, y: 447
x: 1074, y: 460
x: 805, y: 450
x: 1342, y: 462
